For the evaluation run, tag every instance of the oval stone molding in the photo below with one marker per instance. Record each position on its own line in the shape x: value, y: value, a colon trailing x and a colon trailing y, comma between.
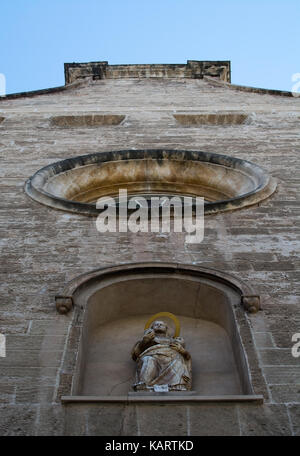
x: 75, y: 184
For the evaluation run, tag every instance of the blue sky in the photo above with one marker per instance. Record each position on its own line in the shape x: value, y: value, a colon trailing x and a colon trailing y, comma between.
x: 260, y: 37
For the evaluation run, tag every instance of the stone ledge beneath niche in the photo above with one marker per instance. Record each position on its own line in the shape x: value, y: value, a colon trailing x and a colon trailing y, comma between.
x: 162, y: 397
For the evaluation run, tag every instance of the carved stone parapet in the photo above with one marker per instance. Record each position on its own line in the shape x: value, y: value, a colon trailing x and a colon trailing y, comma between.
x: 251, y: 303
x: 63, y: 304
x: 192, y: 69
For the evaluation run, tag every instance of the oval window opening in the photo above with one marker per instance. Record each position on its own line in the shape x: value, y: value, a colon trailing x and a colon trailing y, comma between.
x: 225, y: 183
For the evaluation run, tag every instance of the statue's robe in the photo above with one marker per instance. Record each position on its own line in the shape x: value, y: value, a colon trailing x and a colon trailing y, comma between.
x: 160, y: 364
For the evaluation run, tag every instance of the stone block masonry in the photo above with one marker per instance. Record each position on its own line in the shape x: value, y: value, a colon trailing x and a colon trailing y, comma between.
x: 43, y: 248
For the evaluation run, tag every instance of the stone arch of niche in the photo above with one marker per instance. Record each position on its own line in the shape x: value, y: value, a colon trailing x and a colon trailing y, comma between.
x: 110, y: 308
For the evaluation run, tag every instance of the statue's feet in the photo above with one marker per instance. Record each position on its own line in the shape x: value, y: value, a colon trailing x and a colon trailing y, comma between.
x: 141, y: 386
x: 179, y: 387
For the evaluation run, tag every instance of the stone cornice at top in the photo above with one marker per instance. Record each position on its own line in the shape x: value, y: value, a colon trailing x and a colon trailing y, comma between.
x: 216, y: 72
x: 193, y: 69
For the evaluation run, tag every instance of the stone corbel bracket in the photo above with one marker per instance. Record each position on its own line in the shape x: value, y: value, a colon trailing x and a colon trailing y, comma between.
x: 63, y: 304
x: 251, y: 303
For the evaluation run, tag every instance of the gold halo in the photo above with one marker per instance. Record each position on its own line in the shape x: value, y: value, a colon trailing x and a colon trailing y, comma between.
x: 165, y: 314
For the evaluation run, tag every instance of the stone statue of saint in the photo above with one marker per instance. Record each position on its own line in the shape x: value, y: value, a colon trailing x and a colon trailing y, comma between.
x: 163, y: 364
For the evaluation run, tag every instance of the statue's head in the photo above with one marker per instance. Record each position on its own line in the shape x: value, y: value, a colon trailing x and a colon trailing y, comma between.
x: 159, y: 327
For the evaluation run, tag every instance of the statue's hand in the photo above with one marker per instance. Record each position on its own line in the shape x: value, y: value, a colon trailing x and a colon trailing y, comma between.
x: 177, y: 347
x: 149, y: 334
x: 180, y: 341
x: 187, y: 355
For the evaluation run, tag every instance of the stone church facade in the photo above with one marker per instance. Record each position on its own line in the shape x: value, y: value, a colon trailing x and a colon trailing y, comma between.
x: 74, y: 300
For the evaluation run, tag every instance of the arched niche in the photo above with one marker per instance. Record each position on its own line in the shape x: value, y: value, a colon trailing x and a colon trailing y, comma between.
x: 112, y: 305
